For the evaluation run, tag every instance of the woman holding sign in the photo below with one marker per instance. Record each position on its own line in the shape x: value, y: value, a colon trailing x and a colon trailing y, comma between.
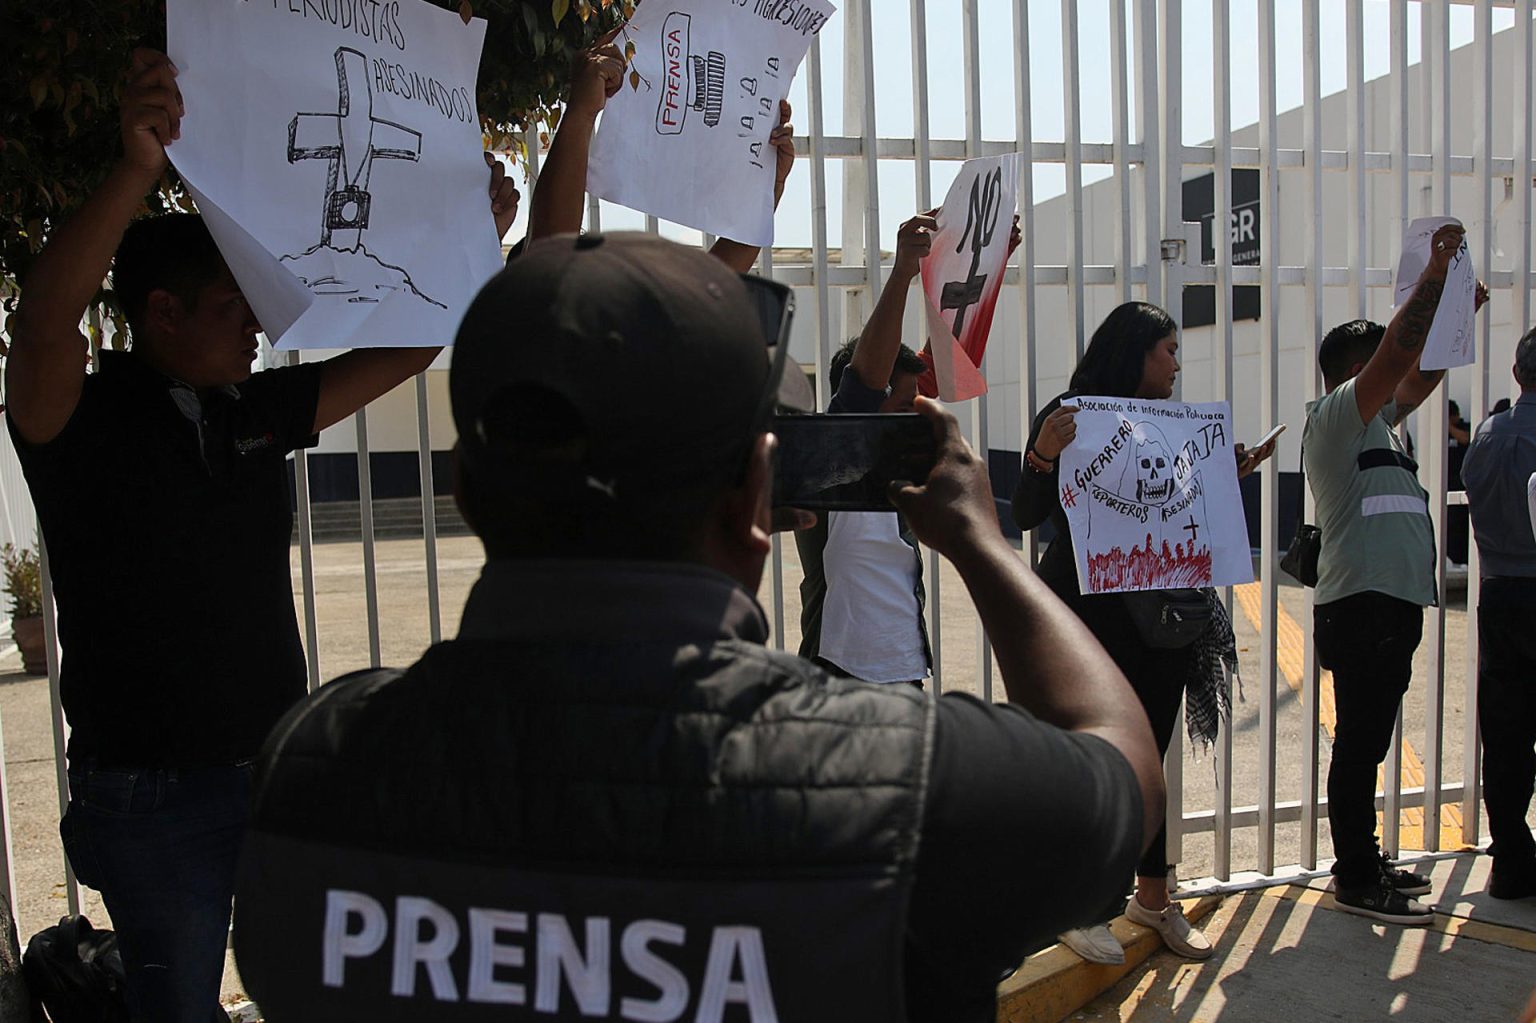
x: 1134, y: 354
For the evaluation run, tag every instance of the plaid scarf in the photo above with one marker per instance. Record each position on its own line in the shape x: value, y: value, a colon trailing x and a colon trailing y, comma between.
x: 1208, y: 697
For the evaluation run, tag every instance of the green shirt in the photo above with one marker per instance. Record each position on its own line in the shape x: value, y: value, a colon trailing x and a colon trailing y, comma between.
x: 1373, y: 513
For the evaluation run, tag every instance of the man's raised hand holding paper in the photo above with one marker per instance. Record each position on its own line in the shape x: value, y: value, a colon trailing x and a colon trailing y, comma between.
x: 560, y: 196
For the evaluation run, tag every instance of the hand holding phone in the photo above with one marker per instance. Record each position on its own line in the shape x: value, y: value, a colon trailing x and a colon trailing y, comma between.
x: 1249, y: 458
x: 847, y: 462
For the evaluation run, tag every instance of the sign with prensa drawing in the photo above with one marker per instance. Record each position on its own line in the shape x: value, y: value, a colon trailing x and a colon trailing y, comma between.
x: 1150, y: 490
x: 686, y: 137
x: 335, y: 153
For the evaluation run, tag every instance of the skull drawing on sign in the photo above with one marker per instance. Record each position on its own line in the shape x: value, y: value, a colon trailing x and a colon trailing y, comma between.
x: 1150, y: 467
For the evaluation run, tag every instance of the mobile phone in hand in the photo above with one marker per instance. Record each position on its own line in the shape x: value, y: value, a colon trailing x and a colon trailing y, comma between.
x: 847, y: 462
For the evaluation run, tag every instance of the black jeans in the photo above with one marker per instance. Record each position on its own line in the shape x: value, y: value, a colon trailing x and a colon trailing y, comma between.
x: 161, y: 845
x: 1367, y: 640
x: 1158, y: 677
x: 1506, y: 711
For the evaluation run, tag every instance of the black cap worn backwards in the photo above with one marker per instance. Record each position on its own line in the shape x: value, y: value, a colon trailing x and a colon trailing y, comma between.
x: 658, y: 349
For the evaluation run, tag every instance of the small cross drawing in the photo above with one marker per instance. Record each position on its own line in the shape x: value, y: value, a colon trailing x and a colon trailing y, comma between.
x: 1193, y: 529
x: 351, y: 139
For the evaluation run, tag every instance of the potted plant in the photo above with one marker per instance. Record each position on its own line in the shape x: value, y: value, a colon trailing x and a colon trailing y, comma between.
x: 24, y: 584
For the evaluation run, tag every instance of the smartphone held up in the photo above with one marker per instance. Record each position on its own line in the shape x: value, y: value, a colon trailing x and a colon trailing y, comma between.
x: 848, y: 462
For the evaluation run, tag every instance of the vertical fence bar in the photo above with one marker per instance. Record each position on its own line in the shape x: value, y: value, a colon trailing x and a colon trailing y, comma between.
x: 1435, y: 63
x: 56, y: 710
x: 428, y: 507
x: 1145, y: 25
x: 306, y: 555
x: 1023, y: 123
x: 1269, y: 407
x: 1392, y: 804
x: 1482, y: 146
x: 819, y: 262
x: 922, y: 169
x: 1170, y: 87
x: 1170, y: 92
x: 1072, y: 106
x: 1121, y: 116
x: 1221, y: 240
x: 1522, y: 133
x: 866, y: 69
x: 370, y: 558
x: 971, y: 34
x: 7, y: 848
x: 1359, y: 239
x: 1311, y: 682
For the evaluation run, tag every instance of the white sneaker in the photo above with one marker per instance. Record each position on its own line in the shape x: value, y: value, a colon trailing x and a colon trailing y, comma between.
x: 1095, y: 944
x: 1177, y: 933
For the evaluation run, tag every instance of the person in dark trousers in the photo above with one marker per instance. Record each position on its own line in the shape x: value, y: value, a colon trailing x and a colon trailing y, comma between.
x: 161, y: 486
x: 1376, y: 571
x: 1133, y: 354
x: 1500, y: 463
x: 606, y: 798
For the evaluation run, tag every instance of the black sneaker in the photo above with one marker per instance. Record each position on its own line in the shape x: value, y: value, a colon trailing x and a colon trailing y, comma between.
x: 1405, y: 881
x: 1380, y: 901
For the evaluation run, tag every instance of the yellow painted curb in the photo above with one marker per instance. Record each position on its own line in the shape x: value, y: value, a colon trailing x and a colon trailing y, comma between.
x: 1053, y: 984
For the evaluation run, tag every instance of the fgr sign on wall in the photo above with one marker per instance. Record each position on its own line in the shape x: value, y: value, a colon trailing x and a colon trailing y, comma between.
x: 1199, y: 205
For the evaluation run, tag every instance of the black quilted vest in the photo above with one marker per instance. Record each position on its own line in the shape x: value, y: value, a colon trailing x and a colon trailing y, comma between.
x: 626, y: 830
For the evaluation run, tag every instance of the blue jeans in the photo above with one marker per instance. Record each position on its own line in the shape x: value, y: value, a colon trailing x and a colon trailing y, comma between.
x: 161, y: 845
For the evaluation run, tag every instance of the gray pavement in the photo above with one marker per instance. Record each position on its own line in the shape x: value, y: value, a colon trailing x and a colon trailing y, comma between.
x: 405, y: 631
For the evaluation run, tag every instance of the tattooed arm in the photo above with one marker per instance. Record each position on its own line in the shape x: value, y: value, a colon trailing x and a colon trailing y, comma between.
x: 1393, y: 370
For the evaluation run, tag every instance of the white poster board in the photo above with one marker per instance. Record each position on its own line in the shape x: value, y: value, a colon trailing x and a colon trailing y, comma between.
x: 1451, y: 338
x: 335, y: 152
x: 963, y: 271
x: 1150, y: 490
x: 686, y: 137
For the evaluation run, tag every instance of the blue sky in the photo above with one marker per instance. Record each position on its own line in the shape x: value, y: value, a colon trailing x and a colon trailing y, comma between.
x: 894, y: 93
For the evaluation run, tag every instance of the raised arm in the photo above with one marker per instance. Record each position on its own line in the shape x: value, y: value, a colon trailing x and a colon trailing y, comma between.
x: 1418, y: 385
x: 740, y: 256
x: 1051, y: 664
x: 1392, y: 372
x: 875, y: 355
x: 350, y: 381
x: 46, y: 366
x: 560, y: 194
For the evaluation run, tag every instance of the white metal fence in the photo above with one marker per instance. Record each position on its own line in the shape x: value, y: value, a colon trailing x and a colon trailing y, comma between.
x: 1334, y: 198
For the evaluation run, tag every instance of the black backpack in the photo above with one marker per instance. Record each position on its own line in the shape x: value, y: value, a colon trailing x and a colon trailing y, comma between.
x: 76, y: 972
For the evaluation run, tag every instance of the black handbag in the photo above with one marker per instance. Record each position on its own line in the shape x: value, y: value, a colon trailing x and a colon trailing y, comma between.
x: 77, y: 973
x: 1168, y: 619
x: 1300, y: 560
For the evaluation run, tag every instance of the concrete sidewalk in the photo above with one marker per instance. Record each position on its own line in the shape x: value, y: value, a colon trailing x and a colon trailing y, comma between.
x: 1287, y: 953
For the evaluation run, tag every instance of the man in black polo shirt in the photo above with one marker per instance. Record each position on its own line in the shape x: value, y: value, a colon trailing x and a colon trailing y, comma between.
x: 161, y: 486
x: 606, y: 798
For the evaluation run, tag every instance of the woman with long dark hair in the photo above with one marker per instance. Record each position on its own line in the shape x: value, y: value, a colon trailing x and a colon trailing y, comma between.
x: 1133, y: 354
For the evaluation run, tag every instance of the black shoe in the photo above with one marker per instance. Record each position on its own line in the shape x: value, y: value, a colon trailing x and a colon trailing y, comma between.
x: 1380, y: 901
x: 1405, y: 881
x: 1512, y: 884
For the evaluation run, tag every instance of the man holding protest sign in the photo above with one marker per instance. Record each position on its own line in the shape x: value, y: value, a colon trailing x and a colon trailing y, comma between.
x: 161, y: 485
x: 1376, y: 569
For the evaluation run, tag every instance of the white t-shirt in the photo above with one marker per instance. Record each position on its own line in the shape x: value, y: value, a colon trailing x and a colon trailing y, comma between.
x: 869, y: 621
x: 1530, y: 489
